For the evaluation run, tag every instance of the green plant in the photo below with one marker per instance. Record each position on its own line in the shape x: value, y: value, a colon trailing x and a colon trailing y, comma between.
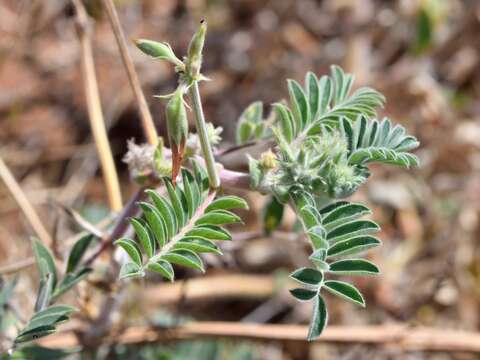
x: 323, y: 141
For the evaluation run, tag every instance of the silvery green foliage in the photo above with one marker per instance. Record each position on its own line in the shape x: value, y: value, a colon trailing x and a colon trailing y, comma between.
x: 251, y: 124
x: 325, y: 140
x: 48, y: 316
x: 175, y: 229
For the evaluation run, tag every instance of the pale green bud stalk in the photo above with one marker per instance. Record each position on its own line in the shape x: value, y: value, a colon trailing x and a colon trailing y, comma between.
x: 195, y: 50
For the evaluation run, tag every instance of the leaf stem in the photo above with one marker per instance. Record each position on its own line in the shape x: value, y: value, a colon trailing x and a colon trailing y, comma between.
x: 191, y: 223
x: 200, y: 124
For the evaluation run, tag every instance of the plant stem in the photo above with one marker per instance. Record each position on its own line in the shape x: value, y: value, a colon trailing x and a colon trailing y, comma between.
x: 94, y: 107
x: 200, y: 124
x: 24, y: 204
x: 144, y: 111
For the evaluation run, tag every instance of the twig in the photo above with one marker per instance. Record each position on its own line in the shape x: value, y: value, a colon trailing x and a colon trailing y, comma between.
x: 120, y: 226
x: 24, y: 204
x: 145, y: 115
x: 397, y: 336
x: 30, y: 261
x: 94, y: 106
x: 212, y: 287
x: 17, y: 266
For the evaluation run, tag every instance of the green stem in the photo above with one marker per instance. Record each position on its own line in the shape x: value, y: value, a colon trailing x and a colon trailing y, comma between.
x: 213, y: 177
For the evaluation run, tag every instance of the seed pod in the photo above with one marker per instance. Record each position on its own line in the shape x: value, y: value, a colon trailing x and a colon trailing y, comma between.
x: 158, y: 50
x: 177, y: 127
x: 195, y: 49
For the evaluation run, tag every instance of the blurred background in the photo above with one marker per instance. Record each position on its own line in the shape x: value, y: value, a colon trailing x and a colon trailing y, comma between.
x: 423, y: 55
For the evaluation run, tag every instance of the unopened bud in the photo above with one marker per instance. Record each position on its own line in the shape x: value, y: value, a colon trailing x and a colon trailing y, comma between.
x: 158, y: 50
x: 195, y: 49
x: 268, y: 161
x: 177, y: 121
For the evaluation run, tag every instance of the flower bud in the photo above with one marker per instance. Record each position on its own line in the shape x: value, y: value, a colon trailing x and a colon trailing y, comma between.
x: 268, y: 161
x: 161, y: 51
x: 177, y: 121
x: 177, y: 127
x: 195, y: 49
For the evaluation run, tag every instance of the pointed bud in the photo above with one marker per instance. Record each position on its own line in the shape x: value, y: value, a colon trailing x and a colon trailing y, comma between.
x: 177, y: 127
x: 158, y: 50
x: 195, y: 49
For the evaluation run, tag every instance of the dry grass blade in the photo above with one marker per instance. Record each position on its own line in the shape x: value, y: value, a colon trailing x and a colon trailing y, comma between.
x: 145, y: 114
x: 97, y: 122
x: 24, y: 204
x: 397, y: 336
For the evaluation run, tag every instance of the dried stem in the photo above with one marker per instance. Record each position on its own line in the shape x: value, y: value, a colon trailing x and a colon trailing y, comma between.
x: 119, y: 228
x: 94, y: 107
x: 24, y: 204
x: 397, y: 336
x: 145, y: 115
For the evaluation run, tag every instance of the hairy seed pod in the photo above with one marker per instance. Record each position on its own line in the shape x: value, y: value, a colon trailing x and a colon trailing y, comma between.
x: 177, y: 127
x: 195, y: 49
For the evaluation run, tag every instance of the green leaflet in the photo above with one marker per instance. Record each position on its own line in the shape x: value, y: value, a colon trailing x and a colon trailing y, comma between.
x: 166, y: 211
x: 284, y: 115
x: 307, y: 276
x: 44, y: 322
x: 218, y: 217
x: 345, y: 291
x: 227, y: 203
x: 176, y: 204
x: 351, y: 229
x: 70, y: 280
x: 163, y: 267
x: 144, y: 237
x: 313, y: 92
x: 319, y: 318
x: 209, y: 232
x: 77, y: 252
x: 344, y: 213
x: 156, y: 223
x: 249, y: 125
x: 303, y: 294
x: 354, y: 267
x: 130, y: 269
x: 310, y: 216
x: 131, y: 249
x: 48, y: 264
x: 197, y: 244
x: 353, y: 245
x: 186, y: 258
x: 299, y: 103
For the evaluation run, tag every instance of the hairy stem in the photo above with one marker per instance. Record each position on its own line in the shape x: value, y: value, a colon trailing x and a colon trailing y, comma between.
x: 94, y: 107
x: 200, y: 124
x: 145, y: 114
